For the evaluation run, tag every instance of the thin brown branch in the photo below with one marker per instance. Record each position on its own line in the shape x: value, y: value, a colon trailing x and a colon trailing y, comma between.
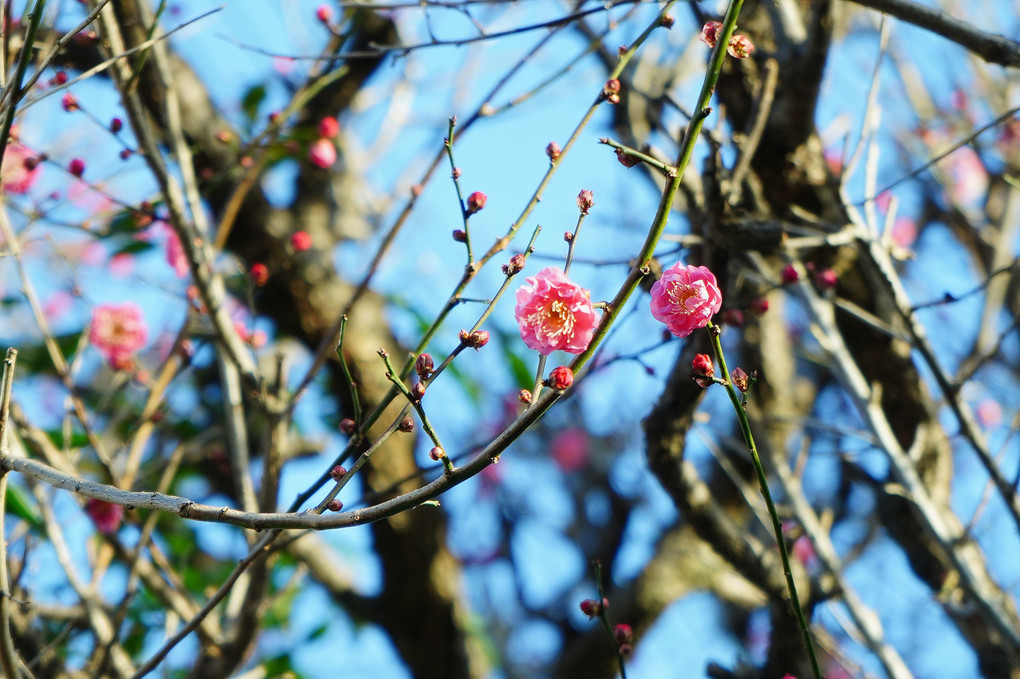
x: 993, y: 48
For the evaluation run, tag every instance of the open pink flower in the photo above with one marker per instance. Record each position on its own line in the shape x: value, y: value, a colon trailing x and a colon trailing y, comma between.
x: 118, y: 332
x: 20, y: 169
x: 555, y: 313
x: 685, y: 298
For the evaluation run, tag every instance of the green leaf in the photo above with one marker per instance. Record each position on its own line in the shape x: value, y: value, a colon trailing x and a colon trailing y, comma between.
x: 19, y: 504
x: 251, y: 101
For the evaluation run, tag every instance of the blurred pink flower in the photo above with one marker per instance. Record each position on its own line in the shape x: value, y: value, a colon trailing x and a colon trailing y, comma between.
x: 989, y: 413
x: 570, y: 449
x: 554, y: 313
x: 322, y: 153
x: 121, y: 264
x: 968, y: 176
x: 685, y: 298
x: 20, y: 169
x: 58, y: 304
x: 904, y: 232
x: 106, y: 515
x: 175, y: 256
x: 118, y: 331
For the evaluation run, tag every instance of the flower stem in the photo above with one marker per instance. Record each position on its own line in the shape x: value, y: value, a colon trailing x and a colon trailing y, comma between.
x: 777, y: 526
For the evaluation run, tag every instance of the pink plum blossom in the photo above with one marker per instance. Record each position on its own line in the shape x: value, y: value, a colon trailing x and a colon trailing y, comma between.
x: 685, y: 298
x: 118, y: 331
x: 20, y: 169
x: 554, y: 313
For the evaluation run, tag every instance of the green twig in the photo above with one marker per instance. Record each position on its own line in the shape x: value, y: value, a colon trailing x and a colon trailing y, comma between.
x: 355, y: 402
x: 777, y: 525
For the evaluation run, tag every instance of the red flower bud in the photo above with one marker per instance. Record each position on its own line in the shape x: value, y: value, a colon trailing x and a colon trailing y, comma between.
x: 300, y: 241
x: 478, y: 339
x: 623, y: 634
x: 116, y: 125
x: 407, y: 425
x: 437, y: 454
x: 524, y: 396
x: 826, y: 279
x: 347, y: 426
x: 561, y: 378
x: 702, y: 370
x: 759, y: 305
x: 337, y: 473
x: 335, y: 505
x: 459, y: 235
x: 324, y: 14
x: 553, y: 150
x: 789, y: 274
x: 328, y: 127
x: 591, y: 608
x: 475, y: 202
x: 733, y: 317
x: 259, y: 274
x: 69, y: 102
x: 666, y: 21
x: 418, y: 391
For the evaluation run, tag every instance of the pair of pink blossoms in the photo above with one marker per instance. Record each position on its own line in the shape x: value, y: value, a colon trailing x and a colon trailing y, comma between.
x: 554, y: 313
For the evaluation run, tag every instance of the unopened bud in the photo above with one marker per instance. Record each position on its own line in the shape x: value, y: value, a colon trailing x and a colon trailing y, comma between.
x: 626, y: 159
x: 585, y: 201
x: 437, y: 453
x: 407, y: 425
x: 459, y: 235
x: 733, y: 317
x: 568, y: 236
x: 455, y: 173
x: 789, y: 274
x: 424, y: 365
x: 759, y: 305
x: 347, y: 426
x: 591, y: 608
x: 553, y: 150
x: 524, y: 396
x: 478, y: 339
x: 623, y: 634
x: 418, y: 391
x: 740, y: 380
x: 702, y: 370
x: 561, y: 378
x: 666, y: 21
x: 826, y: 279
x: 337, y: 473
x: 475, y: 202
x: 335, y: 505
x: 514, y: 266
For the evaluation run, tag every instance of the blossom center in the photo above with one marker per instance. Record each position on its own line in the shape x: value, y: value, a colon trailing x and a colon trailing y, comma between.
x: 682, y: 296
x: 554, y: 321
